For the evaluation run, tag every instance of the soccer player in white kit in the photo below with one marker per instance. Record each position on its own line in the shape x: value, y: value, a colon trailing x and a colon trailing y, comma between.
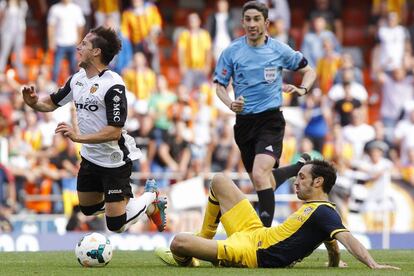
x: 107, y: 151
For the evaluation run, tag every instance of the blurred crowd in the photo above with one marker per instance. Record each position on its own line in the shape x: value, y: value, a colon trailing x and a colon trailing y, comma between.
x: 360, y: 113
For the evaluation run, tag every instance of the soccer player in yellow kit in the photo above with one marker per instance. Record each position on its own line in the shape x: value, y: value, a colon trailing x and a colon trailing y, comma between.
x: 250, y: 244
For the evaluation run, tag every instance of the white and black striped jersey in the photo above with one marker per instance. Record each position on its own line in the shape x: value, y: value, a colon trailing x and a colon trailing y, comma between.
x: 100, y: 101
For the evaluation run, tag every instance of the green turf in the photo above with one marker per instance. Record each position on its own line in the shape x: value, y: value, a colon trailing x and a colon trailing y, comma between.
x: 146, y: 263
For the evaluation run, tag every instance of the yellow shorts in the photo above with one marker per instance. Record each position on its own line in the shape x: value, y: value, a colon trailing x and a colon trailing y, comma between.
x: 244, y: 229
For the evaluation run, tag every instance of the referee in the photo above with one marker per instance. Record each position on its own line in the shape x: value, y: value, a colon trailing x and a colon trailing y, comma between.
x: 254, y: 63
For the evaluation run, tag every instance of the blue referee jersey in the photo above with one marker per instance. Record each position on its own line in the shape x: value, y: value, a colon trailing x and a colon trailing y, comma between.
x: 256, y: 72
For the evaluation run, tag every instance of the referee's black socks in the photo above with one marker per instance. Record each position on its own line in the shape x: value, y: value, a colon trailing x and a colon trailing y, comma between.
x: 266, y: 206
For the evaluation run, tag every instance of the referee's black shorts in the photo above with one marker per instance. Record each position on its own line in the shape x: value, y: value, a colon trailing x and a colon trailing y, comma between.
x: 260, y: 133
x: 115, y: 183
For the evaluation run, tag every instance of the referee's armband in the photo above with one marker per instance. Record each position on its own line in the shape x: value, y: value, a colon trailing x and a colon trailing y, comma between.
x: 218, y: 82
x: 302, y: 63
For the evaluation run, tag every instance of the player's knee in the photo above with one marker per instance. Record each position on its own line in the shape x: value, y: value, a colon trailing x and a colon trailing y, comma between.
x: 259, y: 179
x: 116, y: 224
x: 178, y: 244
x: 218, y: 180
x: 92, y: 209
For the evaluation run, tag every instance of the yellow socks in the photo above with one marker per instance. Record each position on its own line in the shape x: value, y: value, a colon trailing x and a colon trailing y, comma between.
x: 211, y: 217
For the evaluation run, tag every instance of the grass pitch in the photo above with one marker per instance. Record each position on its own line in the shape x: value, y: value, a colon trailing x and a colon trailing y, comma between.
x: 146, y: 263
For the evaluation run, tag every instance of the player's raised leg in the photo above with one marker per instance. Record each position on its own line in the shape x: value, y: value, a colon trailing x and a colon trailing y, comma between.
x: 121, y: 215
x: 156, y: 211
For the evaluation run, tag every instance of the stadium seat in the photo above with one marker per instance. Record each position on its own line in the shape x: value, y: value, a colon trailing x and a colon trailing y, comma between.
x: 180, y: 17
x: 355, y: 17
x: 355, y: 36
x: 297, y: 35
x: 298, y: 17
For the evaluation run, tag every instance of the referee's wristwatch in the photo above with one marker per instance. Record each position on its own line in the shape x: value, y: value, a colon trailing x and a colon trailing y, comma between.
x: 303, y: 88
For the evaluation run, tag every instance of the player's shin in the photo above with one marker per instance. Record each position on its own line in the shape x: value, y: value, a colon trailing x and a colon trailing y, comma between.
x: 211, y: 217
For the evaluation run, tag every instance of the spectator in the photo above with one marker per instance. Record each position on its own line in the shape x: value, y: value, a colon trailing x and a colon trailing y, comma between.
x: 357, y: 90
x: 318, y: 118
x: 327, y: 66
x: 220, y: 25
x: 39, y: 182
x: 5, y: 224
x: 159, y: 104
x: 85, y: 6
x: 140, y: 80
x: 7, y: 188
x: 393, y: 42
x: 411, y: 32
x: 13, y: 33
x: 65, y: 29
x: 225, y: 152
x: 141, y: 24
x: 358, y: 133
x: 407, y: 169
x: 105, y: 10
x: 312, y: 46
x: 194, y: 53
x: 403, y: 135
x: 173, y: 155
x: 279, y: 9
x: 345, y: 106
x: 390, y: 151
x: 347, y: 63
x: 281, y: 33
x: 204, y: 123
x: 329, y: 10
x: 124, y: 57
x: 306, y: 145
x: 376, y: 170
x: 379, y: 7
x: 396, y: 90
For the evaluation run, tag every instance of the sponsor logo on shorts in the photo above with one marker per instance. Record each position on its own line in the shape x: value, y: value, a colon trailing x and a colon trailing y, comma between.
x: 118, y: 191
x: 269, y: 148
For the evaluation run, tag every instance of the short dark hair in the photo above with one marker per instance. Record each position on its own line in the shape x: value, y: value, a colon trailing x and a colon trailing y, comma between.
x: 108, y: 41
x: 322, y: 168
x: 262, y: 8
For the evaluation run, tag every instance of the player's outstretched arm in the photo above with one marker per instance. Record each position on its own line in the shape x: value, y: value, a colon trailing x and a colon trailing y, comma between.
x: 31, y: 98
x: 359, y: 251
x: 334, y: 255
